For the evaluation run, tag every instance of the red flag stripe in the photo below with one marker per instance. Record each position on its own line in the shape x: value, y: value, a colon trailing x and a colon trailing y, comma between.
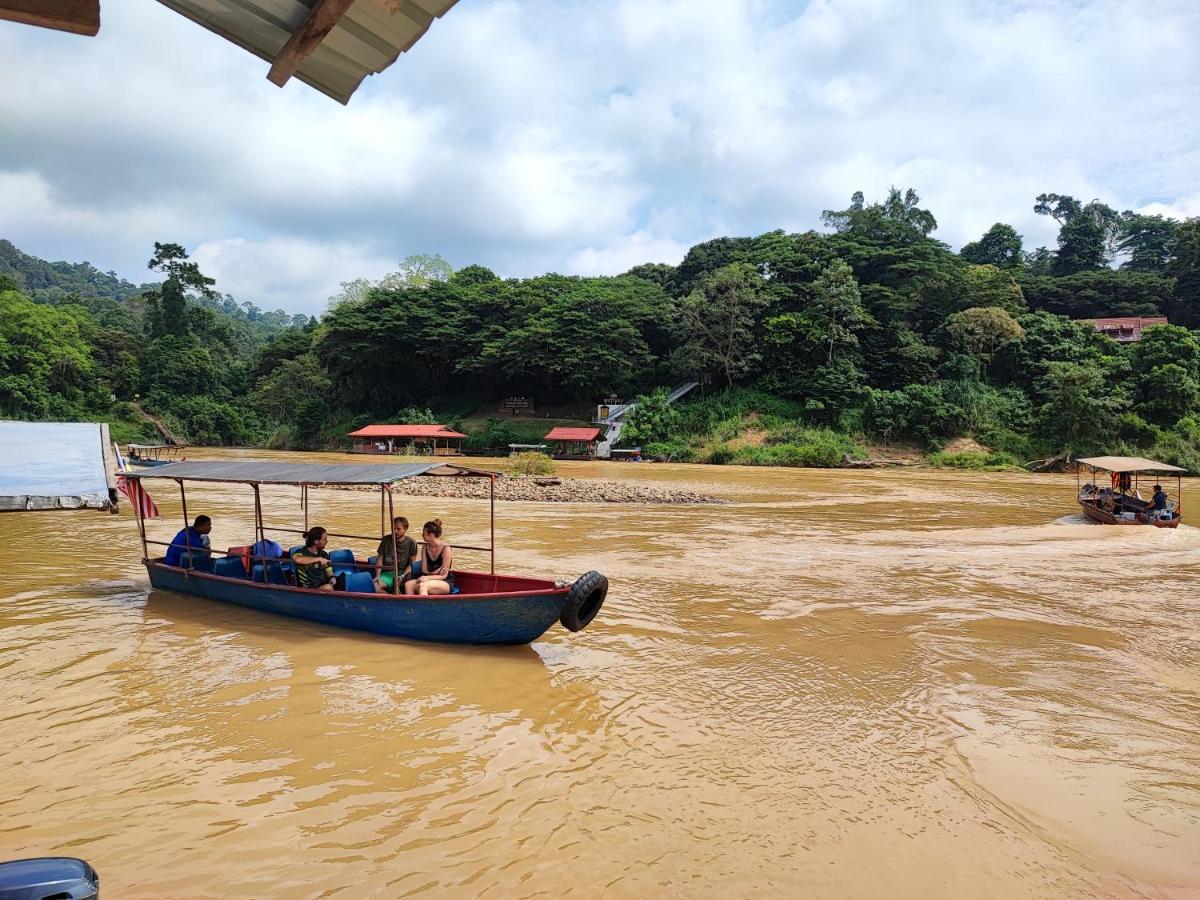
x: 138, y: 496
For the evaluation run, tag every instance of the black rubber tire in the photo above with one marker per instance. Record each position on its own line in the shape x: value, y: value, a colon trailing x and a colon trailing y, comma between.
x: 583, y: 601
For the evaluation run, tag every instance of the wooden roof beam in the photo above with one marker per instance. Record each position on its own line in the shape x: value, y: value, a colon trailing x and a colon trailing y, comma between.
x: 75, y: 16
x: 322, y: 19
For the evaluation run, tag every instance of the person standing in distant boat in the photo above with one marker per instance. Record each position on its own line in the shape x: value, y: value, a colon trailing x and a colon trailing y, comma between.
x: 436, y: 561
x: 194, y: 538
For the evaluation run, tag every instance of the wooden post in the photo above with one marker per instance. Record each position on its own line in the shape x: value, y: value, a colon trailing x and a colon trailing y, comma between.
x: 73, y: 16
x: 492, y: 511
x: 322, y: 19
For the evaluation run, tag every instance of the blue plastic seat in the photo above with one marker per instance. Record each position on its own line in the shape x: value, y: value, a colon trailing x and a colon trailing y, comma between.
x: 201, y: 562
x: 343, y: 562
x: 274, y: 573
x: 360, y: 583
x: 229, y: 567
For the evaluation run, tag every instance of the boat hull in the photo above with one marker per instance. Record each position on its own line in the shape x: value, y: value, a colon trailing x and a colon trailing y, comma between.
x: 509, y: 617
x: 1096, y: 514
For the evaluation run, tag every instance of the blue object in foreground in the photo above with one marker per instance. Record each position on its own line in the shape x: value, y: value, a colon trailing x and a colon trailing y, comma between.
x: 58, y: 877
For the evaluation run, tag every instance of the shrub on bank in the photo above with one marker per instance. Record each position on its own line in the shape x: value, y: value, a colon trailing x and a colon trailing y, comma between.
x: 531, y: 463
x: 976, y: 460
x: 816, y: 448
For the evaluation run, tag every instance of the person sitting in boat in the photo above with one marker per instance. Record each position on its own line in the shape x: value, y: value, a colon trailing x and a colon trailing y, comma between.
x: 193, y: 538
x: 1158, y: 503
x: 406, y: 552
x: 313, y: 568
x: 436, y: 560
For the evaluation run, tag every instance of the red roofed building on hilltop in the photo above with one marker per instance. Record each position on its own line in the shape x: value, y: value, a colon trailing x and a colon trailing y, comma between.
x: 573, y: 443
x: 1125, y: 329
x: 437, y: 440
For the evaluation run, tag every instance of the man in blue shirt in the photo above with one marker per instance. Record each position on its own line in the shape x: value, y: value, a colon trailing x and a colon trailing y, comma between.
x: 194, y: 538
x: 1159, y: 501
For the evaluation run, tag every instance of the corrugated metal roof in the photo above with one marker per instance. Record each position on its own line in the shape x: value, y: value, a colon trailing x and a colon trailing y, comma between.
x: 1128, y: 464
x: 251, y: 472
x: 572, y: 434
x: 365, y: 41
x: 409, y: 431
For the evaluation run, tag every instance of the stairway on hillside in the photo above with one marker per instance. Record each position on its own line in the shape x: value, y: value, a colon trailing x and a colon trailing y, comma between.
x: 158, y: 423
x: 617, y: 415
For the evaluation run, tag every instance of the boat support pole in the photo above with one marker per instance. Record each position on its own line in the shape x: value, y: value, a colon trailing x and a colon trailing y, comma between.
x: 492, y: 497
x: 259, y: 534
x: 186, y: 540
x: 304, y: 501
x: 141, y: 522
x: 387, y: 490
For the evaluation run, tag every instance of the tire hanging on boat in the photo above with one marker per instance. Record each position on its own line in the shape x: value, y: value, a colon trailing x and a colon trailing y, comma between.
x: 583, y: 601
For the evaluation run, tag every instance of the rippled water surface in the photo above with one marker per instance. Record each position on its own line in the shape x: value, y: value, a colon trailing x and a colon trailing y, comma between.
x: 839, y: 684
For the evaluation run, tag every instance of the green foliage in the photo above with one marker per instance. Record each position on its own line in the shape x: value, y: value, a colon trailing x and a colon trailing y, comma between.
x: 206, y: 421
x: 668, y: 451
x: 1080, y: 405
x: 813, y: 448
x: 531, y: 463
x: 1148, y: 241
x: 717, y: 323
x: 975, y: 460
x: 46, y: 366
x: 982, y: 330
x: 999, y: 247
x: 653, y: 420
x: 497, y: 434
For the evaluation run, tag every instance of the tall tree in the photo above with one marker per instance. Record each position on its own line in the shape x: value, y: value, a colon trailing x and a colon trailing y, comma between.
x: 1184, y: 267
x: 418, y: 271
x: 718, y: 322
x: 1087, y: 235
x: 1000, y: 246
x: 1149, y: 242
x: 182, y: 274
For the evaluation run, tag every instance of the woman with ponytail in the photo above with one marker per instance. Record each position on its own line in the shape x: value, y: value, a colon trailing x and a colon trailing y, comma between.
x: 436, y: 561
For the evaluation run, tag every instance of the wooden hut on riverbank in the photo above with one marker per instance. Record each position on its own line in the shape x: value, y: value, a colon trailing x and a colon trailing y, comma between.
x: 432, y: 440
x: 572, y: 443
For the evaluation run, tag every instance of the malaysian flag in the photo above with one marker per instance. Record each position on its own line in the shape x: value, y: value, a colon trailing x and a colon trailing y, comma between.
x: 132, y: 488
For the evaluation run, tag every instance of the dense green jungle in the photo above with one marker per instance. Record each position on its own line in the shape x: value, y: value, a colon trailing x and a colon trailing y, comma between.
x: 811, y: 349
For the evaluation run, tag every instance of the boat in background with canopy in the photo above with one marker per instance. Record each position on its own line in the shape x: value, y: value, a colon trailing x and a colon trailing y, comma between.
x: 488, y: 609
x: 1121, y: 503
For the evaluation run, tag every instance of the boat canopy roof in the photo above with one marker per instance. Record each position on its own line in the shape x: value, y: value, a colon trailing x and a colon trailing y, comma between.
x: 1127, y: 464
x: 154, y: 446
x: 262, y: 472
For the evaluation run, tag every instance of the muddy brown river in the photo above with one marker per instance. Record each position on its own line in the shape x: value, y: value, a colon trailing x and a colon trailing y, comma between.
x: 880, y: 684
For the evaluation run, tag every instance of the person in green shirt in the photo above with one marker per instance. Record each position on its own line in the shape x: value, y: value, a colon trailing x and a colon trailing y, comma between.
x: 406, y: 552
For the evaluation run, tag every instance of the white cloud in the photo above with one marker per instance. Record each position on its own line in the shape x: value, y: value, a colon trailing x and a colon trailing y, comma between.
x: 293, y: 274
x: 625, y: 252
x: 573, y: 137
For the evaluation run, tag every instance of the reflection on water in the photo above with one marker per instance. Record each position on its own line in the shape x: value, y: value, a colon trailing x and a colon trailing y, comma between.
x: 838, y: 684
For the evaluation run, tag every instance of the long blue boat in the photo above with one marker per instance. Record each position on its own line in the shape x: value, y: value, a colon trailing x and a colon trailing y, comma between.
x: 487, y: 608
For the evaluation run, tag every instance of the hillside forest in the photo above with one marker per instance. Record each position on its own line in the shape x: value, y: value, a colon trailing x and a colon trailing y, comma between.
x: 809, y: 347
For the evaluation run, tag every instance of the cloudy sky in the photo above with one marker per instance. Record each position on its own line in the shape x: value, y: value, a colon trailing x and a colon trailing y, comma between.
x: 584, y: 137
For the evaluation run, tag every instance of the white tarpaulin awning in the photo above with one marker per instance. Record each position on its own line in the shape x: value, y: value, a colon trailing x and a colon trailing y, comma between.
x: 54, y: 465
